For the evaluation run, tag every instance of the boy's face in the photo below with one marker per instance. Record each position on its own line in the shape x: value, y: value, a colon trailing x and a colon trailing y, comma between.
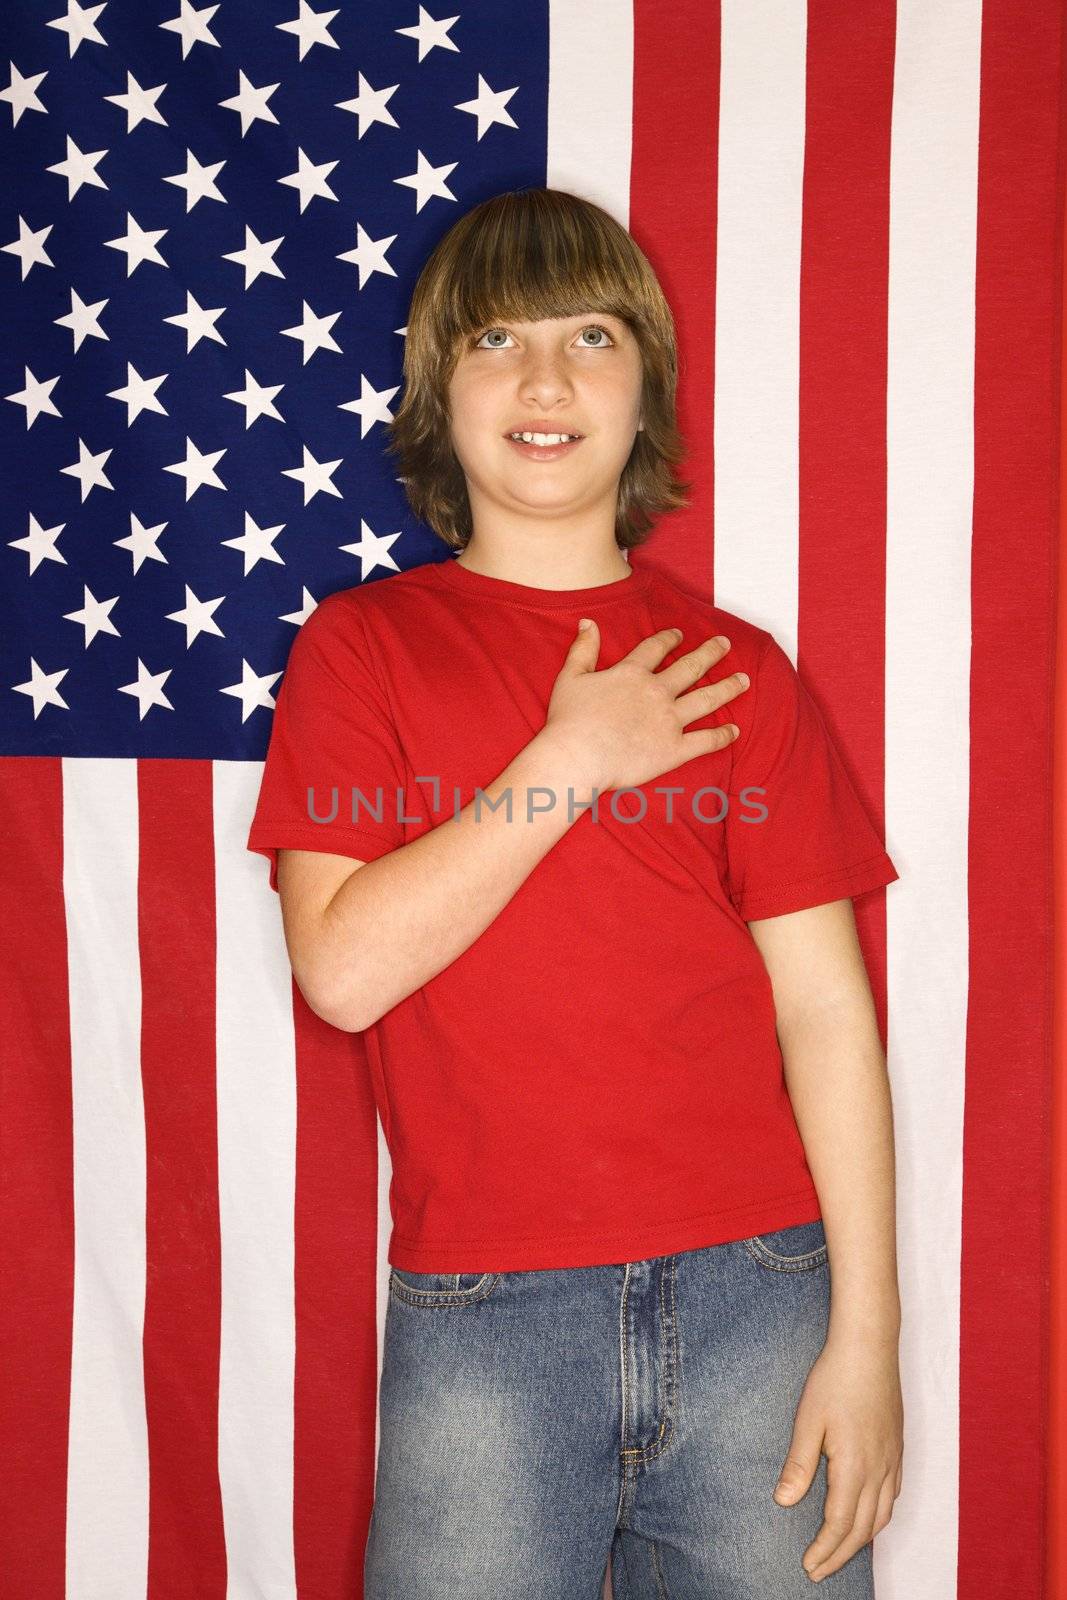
x: 576, y: 375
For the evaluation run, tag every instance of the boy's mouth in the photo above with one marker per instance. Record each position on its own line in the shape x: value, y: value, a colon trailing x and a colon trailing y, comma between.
x: 538, y: 446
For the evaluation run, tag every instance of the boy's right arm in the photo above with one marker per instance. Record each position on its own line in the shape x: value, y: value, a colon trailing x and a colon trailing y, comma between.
x: 363, y: 936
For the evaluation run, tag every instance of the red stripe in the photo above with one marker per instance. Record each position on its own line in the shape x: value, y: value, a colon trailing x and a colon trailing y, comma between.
x: 842, y: 403
x: 1057, y: 1488
x: 336, y: 1316
x: 176, y: 929
x: 1003, y: 1359
x: 674, y: 218
x: 36, y: 1196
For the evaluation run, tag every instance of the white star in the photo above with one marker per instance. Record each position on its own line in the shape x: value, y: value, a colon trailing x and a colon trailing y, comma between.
x: 250, y: 102
x: 315, y: 476
x: 310, y: 27
x: 197, y: 181
x: 310, y: 180
x: 78, y: 168
x: 198, y: 468
x: 257, y: 400
x: 371, y: 407
x: 36, y: 397
x: 256, y: 257
x: 198, y: 616
x: 370, y: 105
x: 142, y: 542
x: 429, y: 181
x: 139, y: 245
x: 314, y: 332
x: 307, y: 606
x: 43, y: 687
x: 79, y: 24
x: 192, y: 25
x: 256, y: 544
x: 40, y: 544
x: 94, y: 616
x: 488, y: 106
x: 252, y: 691
x: 139, y: 394
x: 369, y: 255
x: 139, y: 104
x: 198, y: 322
x: 29, y: 247
x: 82, y: 319
x: 373, y: 549
x: 22, y: 93
x: 430, y: 31
x: 89, y: 470
x: 148, y: 690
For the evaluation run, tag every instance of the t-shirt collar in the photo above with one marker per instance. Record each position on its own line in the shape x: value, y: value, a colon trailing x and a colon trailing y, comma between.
x: 481, y: 585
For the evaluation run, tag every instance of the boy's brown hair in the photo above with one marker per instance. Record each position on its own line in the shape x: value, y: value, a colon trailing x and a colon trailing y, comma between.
x: 522, y: 256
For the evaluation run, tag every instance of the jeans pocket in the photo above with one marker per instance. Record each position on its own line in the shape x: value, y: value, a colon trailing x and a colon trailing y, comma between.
x: 796, y: 1249
x: 429, y: 1289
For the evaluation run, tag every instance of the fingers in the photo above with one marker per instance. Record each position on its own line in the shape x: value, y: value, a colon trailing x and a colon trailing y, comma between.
x: 705, y: 741
x: 710, y: 696
x: 884, y: 1509
x: 681, y: 674
x: 797, y: 1473
x: 585, y: 646
x: 651, y: 651
x: 849, y: 1518
x: 585, y: 649
x: 684, y: 672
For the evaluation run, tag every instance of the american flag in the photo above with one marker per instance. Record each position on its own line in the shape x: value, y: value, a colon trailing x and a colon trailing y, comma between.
x: 212, y: 218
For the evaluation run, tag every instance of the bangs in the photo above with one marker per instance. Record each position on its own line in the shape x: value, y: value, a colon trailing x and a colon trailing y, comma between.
x: 533, y: 260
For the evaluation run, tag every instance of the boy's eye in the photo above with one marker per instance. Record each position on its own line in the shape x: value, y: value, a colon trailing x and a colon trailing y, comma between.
x: 592, y: 327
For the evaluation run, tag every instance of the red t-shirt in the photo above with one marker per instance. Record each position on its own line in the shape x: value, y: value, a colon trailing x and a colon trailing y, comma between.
x: 598, y: 1077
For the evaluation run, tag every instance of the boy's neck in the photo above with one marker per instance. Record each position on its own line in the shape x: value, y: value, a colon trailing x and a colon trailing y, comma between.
x: 605, y: 567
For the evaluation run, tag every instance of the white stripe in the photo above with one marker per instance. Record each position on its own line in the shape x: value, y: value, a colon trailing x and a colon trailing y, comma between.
x: 590, y: 101
x: 107, y: 1467
x: 933, y: 225
x: 757, y: 312
x: 257, y: 1177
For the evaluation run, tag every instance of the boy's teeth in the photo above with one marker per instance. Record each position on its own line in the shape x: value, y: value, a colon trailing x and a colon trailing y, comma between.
x: 543, y: 438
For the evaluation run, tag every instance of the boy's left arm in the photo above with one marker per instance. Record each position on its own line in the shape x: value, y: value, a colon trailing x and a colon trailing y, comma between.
x: 835, y: 1070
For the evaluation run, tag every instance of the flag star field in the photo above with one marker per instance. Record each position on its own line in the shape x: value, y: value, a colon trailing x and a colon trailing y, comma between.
x: 212, y: 222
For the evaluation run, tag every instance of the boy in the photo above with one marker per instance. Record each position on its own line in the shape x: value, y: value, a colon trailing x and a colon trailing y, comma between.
x: 599, y: 920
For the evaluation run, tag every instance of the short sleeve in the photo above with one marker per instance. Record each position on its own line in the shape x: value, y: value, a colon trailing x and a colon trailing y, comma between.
x: 797, y: 833
x: 332, y: 733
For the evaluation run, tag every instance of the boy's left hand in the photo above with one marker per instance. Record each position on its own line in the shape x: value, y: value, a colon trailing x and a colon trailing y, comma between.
x: 852, y: 1411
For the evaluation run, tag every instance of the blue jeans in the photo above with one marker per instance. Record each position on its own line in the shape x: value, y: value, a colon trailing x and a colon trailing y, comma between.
x: 534, y: 1424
